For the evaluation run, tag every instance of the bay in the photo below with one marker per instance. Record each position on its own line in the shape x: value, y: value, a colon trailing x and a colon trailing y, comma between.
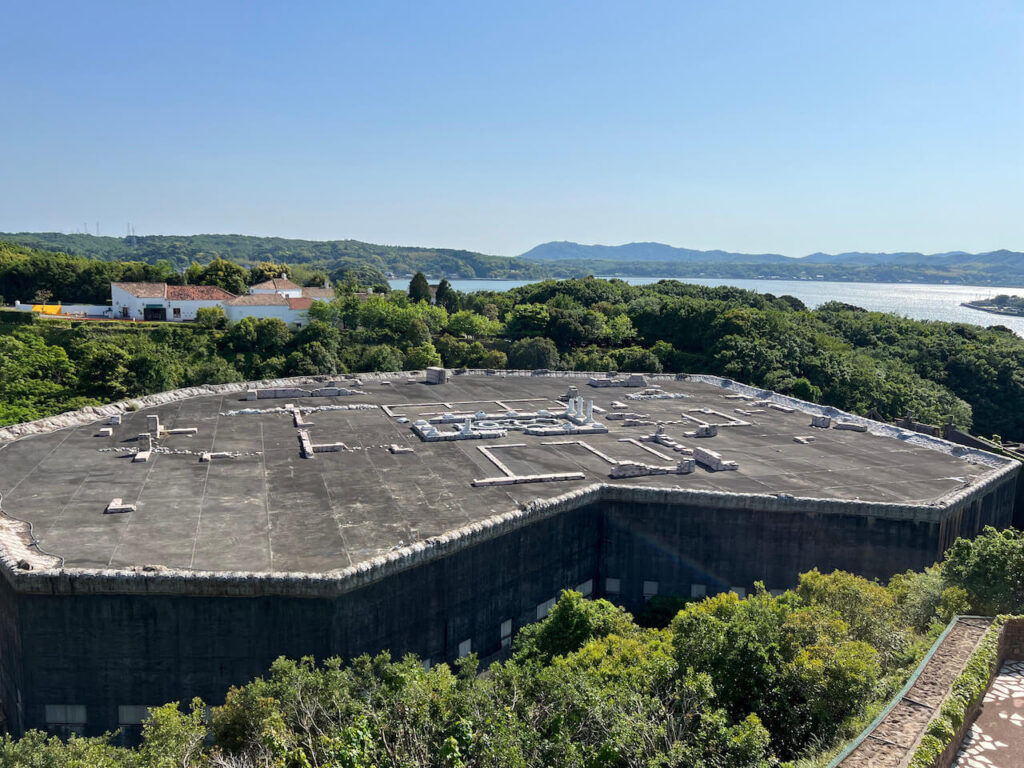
x: 915, y: 300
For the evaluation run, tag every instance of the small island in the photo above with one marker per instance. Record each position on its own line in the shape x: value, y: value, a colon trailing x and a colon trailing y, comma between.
x: 999, y: 305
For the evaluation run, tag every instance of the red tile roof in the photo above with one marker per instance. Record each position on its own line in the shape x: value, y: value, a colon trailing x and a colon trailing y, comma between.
x: 144, y: 290
x: 277, y: 284
x: 198, y: 293
x: 303, y: 302
x: 321, y: 294
x: 259, y: 300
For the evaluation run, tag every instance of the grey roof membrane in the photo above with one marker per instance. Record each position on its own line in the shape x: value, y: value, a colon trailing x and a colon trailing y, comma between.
x: 270, y: 509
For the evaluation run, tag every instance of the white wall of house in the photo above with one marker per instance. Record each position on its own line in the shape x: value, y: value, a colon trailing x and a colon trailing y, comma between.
x: 291, y: 293
x: 121, y: 299
x: 186, y: 310
x: 291, y: 317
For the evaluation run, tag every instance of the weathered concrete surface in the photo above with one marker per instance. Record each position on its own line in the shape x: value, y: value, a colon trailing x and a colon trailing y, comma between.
x: 227, y: 564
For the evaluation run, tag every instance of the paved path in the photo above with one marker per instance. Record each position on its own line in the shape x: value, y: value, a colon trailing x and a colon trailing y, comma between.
x: 996, y: 739
x: 891, y: 741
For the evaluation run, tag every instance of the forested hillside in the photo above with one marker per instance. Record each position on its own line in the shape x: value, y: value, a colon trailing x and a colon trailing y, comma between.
x: 722, y: 682
x: 837, y: 355
x: 178, y: 251
x: 557, y: 260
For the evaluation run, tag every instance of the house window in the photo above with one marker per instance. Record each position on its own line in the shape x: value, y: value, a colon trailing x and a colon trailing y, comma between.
x: 65, y: 719
x: 177, y: 312
x: 650, y: 589
x: 740, y: 591
x: 543, y: 608
x: 465, y: 648
x: 125, y: 312
x: 586, y: 588
x: 612, y: 586
x: 129, y: 722
x: 698, y: 590
x: 506, y: 633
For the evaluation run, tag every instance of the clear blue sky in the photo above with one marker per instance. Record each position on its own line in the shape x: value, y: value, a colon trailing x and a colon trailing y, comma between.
x: 788, y: 127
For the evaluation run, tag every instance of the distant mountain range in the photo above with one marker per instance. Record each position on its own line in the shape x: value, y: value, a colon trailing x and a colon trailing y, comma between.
x: 371, y: 263
x: 646, y: 252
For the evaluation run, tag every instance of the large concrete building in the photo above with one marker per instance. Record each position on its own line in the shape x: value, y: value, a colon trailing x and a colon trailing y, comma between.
x: 171, y: 546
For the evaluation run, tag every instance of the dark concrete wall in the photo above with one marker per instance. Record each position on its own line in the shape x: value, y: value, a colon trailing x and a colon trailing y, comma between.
x: 108, y: 650
x: 11, y: 682
x: 680, y: 546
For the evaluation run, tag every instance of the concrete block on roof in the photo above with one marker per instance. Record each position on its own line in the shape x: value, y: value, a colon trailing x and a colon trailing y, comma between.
x: 142, y: 456
x: 822, y: 422
x: 105, y: 432
x: 117, y: 506
x: 437, y: 375
x: 713, y: 460
x: 850, y: 425
x: 115, y: 420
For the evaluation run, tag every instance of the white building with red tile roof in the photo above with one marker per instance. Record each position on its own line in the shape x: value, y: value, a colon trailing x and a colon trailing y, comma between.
x: 159, y: 301
x: 280, y: 298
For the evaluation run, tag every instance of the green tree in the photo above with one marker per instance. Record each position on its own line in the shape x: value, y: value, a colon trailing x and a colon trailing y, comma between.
x: 572, y: 622
x: 419, y: 288
x: 990, y: 569
x: 212, y: 318
x: 446, y: 296
x: 225, y: 274
x: 532, y: 354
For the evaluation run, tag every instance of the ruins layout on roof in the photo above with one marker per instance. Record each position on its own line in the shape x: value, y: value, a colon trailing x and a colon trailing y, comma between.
x: 325, y: 475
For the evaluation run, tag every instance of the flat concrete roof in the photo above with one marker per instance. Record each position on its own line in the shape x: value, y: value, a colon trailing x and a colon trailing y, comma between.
x: 269, y: 509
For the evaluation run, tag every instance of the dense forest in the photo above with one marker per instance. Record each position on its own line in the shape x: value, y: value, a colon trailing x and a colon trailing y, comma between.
x: 722, y: 682
x: 837, y: 354
x: 371, y: 262
x: 334, y: 256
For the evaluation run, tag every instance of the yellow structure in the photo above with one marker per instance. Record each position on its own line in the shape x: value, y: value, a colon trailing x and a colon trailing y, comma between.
x: 47, y: 309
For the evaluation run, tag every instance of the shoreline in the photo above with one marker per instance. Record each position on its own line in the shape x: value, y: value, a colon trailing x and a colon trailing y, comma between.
x: 991, y: 310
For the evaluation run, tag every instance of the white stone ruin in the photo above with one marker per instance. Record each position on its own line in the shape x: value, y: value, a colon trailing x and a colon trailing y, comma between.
x: 659, y: 437
x: 850, y: 425
x: 145, y: 448
x: 713, y: 460
x: 621, y: 469
x: 632, y: 380
x: 437, y: 375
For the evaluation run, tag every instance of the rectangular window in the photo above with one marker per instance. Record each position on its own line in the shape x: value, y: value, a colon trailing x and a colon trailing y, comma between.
x: 543, y: 608
x: 698, y: 590
x: 586, y: 588
x: 650, y: 589
x: 426, y: 665
x: 65, y: 719
x: 612, y: 586
x: 465, y: 648
x: 775, y: 592
x: 506, y: 633
x: 132, y: 714
x: 177, y: 311
x: 739, y: 591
